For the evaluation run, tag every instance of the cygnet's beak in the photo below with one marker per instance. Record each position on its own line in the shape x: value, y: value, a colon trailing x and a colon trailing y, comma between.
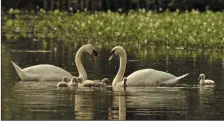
x: 199, y: 77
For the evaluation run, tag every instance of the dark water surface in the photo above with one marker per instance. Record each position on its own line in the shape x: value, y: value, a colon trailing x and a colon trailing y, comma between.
x: 38, y: 100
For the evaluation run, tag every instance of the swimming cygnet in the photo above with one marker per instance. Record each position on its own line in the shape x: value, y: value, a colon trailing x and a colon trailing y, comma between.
x: 73, y: 82
x: 91, y: 83
x: 204, y: 81
x: 63, y: 82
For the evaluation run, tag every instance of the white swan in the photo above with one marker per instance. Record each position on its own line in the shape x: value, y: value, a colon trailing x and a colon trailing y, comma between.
x: 63, y: 82
x: 91, y: 83
x: 204, y: 81
x: 144, y: 77
x: 73, y: 82
x: 46, y: 72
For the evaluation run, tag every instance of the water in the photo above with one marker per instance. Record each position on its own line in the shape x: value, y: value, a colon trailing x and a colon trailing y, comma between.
x: 36, y: 100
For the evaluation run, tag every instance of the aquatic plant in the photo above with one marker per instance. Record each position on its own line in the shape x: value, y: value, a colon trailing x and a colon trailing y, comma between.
x: 189, y: 29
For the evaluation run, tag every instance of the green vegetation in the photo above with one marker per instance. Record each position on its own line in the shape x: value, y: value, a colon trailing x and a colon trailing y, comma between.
x: 144, y: 28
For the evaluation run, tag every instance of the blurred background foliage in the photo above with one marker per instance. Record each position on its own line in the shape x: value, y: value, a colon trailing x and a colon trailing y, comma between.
x: 180, y: 23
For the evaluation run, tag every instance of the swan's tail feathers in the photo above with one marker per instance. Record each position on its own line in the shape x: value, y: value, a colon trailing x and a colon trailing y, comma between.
x: 173, y: 81
x: 180, y: 77
x: 19, y: 71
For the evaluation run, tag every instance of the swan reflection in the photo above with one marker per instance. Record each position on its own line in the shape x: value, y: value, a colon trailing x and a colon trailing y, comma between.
x: 89, y: 103
x: 206, y: 100
x: 119, y: 104
x: 162, y: 101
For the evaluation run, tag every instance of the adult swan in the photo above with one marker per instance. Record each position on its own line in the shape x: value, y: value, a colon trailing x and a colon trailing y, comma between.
x: 46, y: 72
x: 144, y: 77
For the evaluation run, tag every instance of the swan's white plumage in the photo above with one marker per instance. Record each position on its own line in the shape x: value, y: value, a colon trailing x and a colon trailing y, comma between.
x: 173, y: 81
x: 42, y: 72
x: 151, y: 77
x: 144, y: 77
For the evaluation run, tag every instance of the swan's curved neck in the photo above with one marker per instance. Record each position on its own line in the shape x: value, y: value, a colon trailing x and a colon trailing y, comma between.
x: 203, y: 78
x: 122, y: 68
x: 78, y: 62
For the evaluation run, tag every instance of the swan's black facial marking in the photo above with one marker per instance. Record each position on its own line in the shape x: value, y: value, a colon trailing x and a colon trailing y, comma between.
x: 111, y: 55
x: 94, y: 53
x: 112, y: 52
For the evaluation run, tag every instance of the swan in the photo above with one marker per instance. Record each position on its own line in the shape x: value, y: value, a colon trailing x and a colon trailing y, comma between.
x: 91, y: 83
x: 73, y: 82
x: 144, y: 77
x: 63, y: 82
x: 204, y: 81
x: 46, y: 72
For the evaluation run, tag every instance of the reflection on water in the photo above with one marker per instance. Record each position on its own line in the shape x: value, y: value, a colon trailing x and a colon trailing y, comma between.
x: 118, y: 107
x: 207, y: 100
x: 89, y: 102
x: 187, y: 100
x: 151, y: 103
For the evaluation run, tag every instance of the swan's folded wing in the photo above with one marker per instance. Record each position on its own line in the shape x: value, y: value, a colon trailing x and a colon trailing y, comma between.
x: 146, y: 77
x: 47, y: 72
x: 172, y: 81
x: 169, y: 82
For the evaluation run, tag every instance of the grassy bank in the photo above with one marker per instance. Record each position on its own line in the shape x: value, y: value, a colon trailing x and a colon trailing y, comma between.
x: 174, y: 29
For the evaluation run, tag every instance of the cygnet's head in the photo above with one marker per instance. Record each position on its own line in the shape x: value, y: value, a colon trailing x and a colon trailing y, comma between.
x: 73, y: 79
x: 105, y: 81
x: 79, y: 80
x: 65, y: 79
x: 202, y: 76
x: 117, y: 51
x: 125, y: 80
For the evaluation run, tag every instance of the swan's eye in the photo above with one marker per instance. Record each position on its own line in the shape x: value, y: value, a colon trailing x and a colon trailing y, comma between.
x: 95, y: 53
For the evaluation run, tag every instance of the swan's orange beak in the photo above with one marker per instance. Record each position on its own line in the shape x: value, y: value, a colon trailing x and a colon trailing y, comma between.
x: 111, y: 55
